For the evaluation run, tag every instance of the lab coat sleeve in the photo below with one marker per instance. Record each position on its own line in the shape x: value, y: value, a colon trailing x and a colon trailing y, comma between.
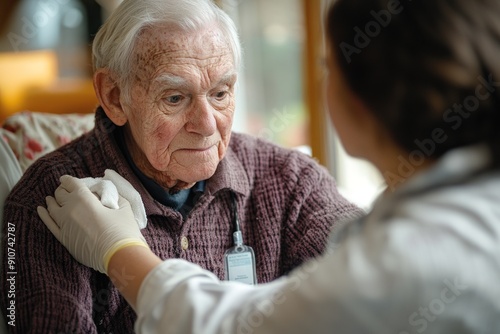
x: 421, y: 263
x: 180, y: 297
x: 341, y: 292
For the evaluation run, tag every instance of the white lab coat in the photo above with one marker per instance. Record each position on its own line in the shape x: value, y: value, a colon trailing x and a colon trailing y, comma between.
x: 425, y: 260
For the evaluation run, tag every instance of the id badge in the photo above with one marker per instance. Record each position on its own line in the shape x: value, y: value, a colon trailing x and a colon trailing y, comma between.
x: 240, y: 265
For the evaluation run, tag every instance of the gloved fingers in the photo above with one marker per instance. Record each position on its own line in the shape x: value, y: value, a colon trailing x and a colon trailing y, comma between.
x: 52, y: 203
x: 61, y: 195
x: 71, y: 186
x: 49, y: 222
x: 53, y: 209
x: 71, y: 183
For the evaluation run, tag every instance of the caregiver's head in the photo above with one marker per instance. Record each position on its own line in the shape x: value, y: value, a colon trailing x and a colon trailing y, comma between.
x: 166, y: 70
x: 414, y: 76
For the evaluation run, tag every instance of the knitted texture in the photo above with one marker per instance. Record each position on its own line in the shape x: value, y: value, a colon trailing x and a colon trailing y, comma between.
x: 287, y: 204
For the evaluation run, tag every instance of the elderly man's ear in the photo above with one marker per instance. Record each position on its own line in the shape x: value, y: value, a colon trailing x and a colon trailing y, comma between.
x: 108, y: 93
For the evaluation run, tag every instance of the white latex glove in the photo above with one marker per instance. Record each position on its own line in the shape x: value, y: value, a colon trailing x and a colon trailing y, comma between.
x: 91, y: 232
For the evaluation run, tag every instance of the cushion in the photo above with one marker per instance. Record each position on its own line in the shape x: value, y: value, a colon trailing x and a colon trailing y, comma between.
x: 31, y: 134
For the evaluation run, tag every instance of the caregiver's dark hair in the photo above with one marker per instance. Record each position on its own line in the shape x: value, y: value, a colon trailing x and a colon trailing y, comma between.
x: 415, y: 63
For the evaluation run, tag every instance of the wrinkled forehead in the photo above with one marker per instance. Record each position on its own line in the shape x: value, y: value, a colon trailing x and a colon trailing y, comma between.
x: 164, y: 45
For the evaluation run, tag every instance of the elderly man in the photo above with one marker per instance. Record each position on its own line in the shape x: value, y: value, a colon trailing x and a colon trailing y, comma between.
x: 165, y: 73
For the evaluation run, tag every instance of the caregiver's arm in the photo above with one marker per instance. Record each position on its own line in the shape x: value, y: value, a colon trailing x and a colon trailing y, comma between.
x: 349, y: 291
x: 127, y: 269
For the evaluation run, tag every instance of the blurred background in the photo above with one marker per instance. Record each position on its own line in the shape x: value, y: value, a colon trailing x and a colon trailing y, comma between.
x: 45, y: 66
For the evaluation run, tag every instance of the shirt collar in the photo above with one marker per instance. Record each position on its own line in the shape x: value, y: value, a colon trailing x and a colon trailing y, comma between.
x: 175, y: 201
x: 456, y: 166
x: 230, y: 174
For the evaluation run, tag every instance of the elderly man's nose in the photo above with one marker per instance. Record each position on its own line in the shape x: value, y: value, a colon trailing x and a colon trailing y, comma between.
x: 202, y: 119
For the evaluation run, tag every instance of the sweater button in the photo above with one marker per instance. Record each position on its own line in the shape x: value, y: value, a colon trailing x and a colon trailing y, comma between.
x: 184, y: 243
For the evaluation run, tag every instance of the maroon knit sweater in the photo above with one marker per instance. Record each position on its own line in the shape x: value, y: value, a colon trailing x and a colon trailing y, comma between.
x: 287, y: 204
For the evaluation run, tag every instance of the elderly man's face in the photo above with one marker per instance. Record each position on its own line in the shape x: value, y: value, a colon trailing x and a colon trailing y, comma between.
x: 182, y: 103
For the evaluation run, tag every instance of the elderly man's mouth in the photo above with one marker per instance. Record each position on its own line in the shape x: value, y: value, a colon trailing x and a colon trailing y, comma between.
x: 198, y: 149
x: 201, y: 150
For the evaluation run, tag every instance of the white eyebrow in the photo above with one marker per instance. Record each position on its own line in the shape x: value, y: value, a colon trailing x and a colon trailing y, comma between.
x: 228, y: 79
x: 177, y: 82
x: 172, y: 81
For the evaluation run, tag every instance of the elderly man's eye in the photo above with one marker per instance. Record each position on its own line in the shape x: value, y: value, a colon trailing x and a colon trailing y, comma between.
x: 221, y: 95
x: 174, y: 99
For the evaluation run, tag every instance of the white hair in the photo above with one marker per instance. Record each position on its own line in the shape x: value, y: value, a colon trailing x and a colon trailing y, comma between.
x: 113, y: 46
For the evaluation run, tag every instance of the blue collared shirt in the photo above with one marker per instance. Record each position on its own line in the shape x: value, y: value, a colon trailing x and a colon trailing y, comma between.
x: 182, y: 201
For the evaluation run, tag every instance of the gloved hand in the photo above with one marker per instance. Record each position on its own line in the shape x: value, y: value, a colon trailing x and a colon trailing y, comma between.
x: 91, y: 232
